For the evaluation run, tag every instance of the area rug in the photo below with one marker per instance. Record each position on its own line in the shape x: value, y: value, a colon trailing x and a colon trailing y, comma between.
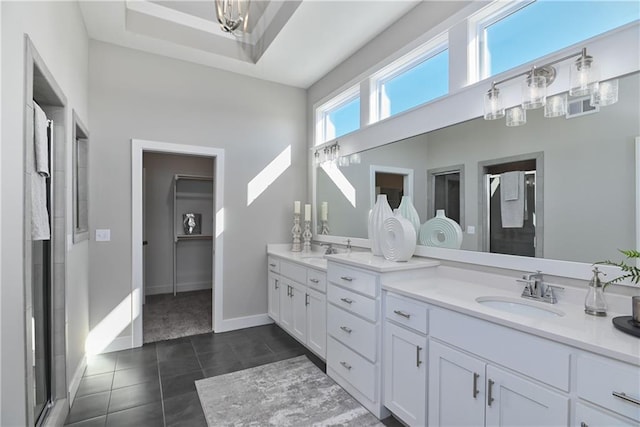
x: 292, y: 392
x: 167, y: 317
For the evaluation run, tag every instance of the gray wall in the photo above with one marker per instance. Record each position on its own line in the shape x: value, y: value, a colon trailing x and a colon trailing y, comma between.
x: 139, y: 95
x: 195, y: 257
x: 57, y: 32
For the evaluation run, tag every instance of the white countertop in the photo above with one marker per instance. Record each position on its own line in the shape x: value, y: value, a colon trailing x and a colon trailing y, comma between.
x: 314, y: 258
x: 378, y: 264
x: 575, y: 328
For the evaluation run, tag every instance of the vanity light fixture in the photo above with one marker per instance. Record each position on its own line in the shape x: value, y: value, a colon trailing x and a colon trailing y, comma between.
x: 584, y: 82
x: 328, y: 154
x: 233, y: 16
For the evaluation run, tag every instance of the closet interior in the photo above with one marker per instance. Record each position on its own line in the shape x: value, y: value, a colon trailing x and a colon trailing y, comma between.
x: 178, y: 200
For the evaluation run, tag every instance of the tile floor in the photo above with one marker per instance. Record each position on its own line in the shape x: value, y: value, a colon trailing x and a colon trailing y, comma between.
x: 154, y: 385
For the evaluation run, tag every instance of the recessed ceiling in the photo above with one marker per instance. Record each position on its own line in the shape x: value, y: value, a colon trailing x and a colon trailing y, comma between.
x: 293, y: 42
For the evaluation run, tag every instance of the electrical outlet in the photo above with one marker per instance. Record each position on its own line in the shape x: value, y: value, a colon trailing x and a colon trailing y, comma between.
x: 471, y: 229
x: 103, y: 235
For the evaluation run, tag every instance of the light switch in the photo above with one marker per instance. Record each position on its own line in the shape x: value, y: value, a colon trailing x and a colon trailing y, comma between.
x: 471, y: 229
x: 103, y: 235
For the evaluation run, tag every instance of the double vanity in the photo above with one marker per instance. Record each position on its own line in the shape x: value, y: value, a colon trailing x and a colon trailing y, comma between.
x: 440, y: 345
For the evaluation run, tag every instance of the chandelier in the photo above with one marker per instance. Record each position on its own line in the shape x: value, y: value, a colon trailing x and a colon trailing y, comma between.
x: 233, y: 15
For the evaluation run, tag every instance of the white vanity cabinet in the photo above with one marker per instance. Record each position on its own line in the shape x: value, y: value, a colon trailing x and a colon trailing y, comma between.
x: 405, y: 359
x: 297, y: 302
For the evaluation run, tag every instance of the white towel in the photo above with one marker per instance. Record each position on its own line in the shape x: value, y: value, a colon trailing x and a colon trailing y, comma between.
x: 512, y: 211
x: 40, y: 229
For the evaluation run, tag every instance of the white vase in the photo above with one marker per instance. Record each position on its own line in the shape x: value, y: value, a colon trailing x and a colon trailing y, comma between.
x: 381, y: 211
x: 408, y: 211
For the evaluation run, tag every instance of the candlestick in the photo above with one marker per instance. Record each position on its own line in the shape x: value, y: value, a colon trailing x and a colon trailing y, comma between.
x: 324, y: 228
x: 307, y: 212
x: 306, y: 235
x: 296, y: 207
x: 325, y: 211
x: 296, y: 231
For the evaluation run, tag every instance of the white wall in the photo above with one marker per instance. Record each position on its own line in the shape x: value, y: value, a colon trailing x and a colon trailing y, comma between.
x: 195, y: 257
x: 145, y: 96
x: 58, y: 34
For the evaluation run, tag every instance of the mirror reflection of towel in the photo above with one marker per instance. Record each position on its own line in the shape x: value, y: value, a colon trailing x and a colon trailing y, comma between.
x: 512, y: 209
x: 40, y: 229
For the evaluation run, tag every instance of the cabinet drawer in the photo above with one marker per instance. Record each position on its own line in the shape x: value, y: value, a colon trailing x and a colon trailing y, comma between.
x: 598, y: 378
x: 355, y: 369
x: 354, y: 332
x: 293, y: 271
x: 317, y: 280
x: 587, y: 416
x: 505, y: 346
x: 273, y: 264
x: 352, y: 302
x: 355, y: 280
x: 411, y: 314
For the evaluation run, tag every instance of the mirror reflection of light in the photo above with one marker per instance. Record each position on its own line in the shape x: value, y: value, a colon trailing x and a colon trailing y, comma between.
x: 494, y: 185
x: 219, y: 222
x: 268, y: 175
x: 110, y: 327
x: 341, y: 182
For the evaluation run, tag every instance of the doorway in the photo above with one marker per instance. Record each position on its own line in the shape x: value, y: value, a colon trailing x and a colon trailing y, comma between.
x: 392, y: 181
x: 214, y: 228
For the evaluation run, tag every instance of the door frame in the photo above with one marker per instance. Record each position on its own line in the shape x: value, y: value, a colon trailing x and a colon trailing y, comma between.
x: 138, y: 148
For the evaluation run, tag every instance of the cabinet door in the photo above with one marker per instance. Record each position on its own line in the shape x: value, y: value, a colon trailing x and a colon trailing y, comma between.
x: 286, y: 305
x: 405, y: 374
x: 456, y: 387
x: 299, y: 311
x: 587, y: 416
x: 274, y: 296
x: 515, y: 401
x: 317, y: 322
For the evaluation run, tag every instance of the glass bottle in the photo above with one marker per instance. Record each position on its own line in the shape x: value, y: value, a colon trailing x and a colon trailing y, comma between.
x: 594, y: 303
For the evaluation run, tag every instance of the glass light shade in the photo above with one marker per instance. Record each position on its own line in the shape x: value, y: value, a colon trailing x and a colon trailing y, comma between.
x: 534, y: 92
x: 584, y: 77
x: 493, y: 108
x: 516, y: 116
x: 343, y: 161
x: 233, y: 15
x: 556, y: 106
x: 354, y: 159
x: 607, y: 94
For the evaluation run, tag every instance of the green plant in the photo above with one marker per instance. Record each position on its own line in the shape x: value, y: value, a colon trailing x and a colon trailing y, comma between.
x: 631, y: 272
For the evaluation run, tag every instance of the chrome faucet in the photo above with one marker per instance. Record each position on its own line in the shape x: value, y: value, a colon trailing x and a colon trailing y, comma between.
x: 330, y: 249
x: 536, y: 289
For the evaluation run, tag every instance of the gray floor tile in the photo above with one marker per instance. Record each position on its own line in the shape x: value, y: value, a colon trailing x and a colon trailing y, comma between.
x: 250, y: 349
x: 184, y: 410
x: 101, y: 364
x: 180, y: 384
x: 92, y: 422
x: 143, y: 374
x: 223, y: 369
x: 95, y: 384
x: 179, y: 366
x: 176, y: 351
x: 135, y: 395
x: 91, y: 406
x: 141, y: 416
x: 137, y: 357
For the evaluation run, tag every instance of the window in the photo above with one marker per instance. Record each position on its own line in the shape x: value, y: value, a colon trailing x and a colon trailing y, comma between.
x: 80, y: 181
x: 413, y: 80
x: 339, y: 116
x: 523, y: 31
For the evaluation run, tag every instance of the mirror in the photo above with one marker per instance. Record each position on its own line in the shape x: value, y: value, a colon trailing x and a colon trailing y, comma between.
x: 579, y: 179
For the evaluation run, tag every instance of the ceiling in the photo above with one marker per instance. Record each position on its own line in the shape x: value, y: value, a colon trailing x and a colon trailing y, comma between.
x: 294, y: 42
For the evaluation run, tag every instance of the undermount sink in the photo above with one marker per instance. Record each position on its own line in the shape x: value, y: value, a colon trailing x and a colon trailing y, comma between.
x: 314, y: 259
x: 517, y: 306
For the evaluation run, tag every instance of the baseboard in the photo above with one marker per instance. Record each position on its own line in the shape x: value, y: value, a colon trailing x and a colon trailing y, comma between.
x: 182, y: 287
x: 75, y: 381
x: 244, y: 322
x: 120, y: 343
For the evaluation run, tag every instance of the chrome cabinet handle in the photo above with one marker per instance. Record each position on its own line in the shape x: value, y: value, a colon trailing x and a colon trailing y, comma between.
x: 490, y: 398
x: 272, y: 265
x: 623, y: 396
x: 314, y: 280
x: 346, y: 329
x: 418, y: 361
x: 402, y: 313
x: 583, y: 424
x: 276, y: 284
x: 347, y: 278
x: 347, y: 300
x: 475, y: 384
x: 346, y: 365
x: 306, y: 299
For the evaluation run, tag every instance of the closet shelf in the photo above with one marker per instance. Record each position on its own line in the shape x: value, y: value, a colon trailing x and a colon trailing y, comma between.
x: 192, y: 195
x: 193, y: 237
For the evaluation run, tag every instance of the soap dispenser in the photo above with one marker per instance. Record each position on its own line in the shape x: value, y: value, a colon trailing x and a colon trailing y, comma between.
x: 594, y: 303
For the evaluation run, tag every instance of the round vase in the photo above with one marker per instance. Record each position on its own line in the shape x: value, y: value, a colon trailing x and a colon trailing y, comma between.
x: 408, y: 211
x: 381, y: 211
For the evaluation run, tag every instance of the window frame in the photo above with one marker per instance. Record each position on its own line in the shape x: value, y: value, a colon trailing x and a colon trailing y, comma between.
x: 324, y: 111
x: 420, y: 55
